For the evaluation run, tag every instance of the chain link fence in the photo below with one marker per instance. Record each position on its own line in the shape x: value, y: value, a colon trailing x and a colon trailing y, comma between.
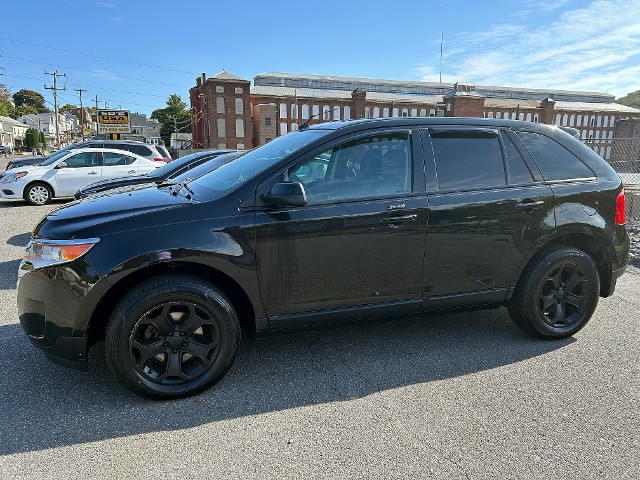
x: 623, y: 154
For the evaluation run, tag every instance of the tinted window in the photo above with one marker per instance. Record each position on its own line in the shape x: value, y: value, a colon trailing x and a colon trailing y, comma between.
x: 111, y: 159
x: 85, y: 159
x: 374, y: 166
x: 178, y: 165
x: 555, y: 161
x: 467, y: 159
x: 95, y: 145
x: 138, y: 149
x: 163, y: 151
x: 518, y: 170
x: 200, y: 169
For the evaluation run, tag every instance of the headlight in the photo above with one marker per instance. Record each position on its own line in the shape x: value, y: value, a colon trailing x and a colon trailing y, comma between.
x: 44, y: 253
x: 12, y: 177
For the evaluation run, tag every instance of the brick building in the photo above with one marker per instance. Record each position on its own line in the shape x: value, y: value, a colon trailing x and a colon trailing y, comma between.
x: 282, y: 101
x: 221, y: 112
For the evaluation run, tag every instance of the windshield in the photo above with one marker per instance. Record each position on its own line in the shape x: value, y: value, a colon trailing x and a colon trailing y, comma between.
x: 176, y: 164
x: 228, y: 176
x: 54, y: 157
x: 205, y: 167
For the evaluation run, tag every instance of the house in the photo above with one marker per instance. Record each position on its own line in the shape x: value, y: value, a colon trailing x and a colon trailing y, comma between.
x: 12, y: 132
x: 180, y: 141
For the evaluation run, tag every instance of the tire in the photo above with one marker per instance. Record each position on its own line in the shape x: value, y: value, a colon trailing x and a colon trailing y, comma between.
x: 38, y: 193
x: 557, y: 293
x: 172, y: 336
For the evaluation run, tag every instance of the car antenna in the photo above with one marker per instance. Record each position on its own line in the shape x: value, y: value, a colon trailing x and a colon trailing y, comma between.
x: 306, y: 124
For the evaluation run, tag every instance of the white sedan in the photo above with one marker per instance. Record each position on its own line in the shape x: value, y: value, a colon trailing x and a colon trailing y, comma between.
x: 66, y: 172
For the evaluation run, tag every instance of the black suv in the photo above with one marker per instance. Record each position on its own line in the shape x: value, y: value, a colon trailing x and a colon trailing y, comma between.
x: 331, y: 223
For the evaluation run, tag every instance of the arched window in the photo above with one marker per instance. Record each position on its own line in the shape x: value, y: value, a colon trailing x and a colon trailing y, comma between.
x: 565, y: 119
x: 612, y: 120
x: 585, y: 121
x: 590, y: 134
x: 347, y: 113
x: 498, y: 114
x: 535, y: 118
x: 283, y: 111
x: 336, y: 113
x: 592, y: 122
x: 513, y: 116
x: 376, y: 112
x: 528, y: 117
x: 490, y: 115
x: 305, y: 111
x: 432, y: 112
x: 572, y: 120
x: 599, y: 122
x: 385, y: 112
x: 395, y: 112
x: 597, y: 134
x: 605, y: 122
x: 608, y: 153
x: 414, y: 112
x: 367, y: 112
x: 584, y: 134
x: 423, y: 112
x: 315, y: 111
x: 405, y: 112
x: 283, y: 128
x: 521, y: 117
x: 557, y: 119
x: 219, y: 105
x: 294, y: 111
x: 579, y: 121
x: 326, y: 112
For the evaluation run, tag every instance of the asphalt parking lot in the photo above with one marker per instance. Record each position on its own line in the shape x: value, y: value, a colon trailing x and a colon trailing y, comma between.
x: 449, y: 396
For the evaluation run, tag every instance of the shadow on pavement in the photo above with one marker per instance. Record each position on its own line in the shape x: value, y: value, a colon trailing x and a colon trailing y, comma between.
x: 20, y: 240
x: 9, y: 274
x: 47, y: 406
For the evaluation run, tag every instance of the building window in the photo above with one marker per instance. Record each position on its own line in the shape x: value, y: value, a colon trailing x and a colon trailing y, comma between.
x: 490, y: 115
x: 305, y: 111
x: 347, y: 113
x: 432, y: 112
x: 367, y: 112
x: 535, y: 118
x: 611, y: 120
x: 528, y: 119
x: 326, y: 112
x: 572, y: 120
x: 294, y: 111
x: 315, y: 112
x: 267, y: 121
x: 222, y: 146
x: 514, y: 116
x: 219, y: 105
x: 221, y: 127
x: 239, y: 128
x: 414, y: 112
x: 605, y: 122
x: 599, y: 122
x: 385, y: 112
x: 336, y: 113
x: 238, y: 90
x: 584, y: 134
x: 376, y: 112
x: 283, y: 128
x: 592, y: 123
x: 267, y: 140
x: 521, y: 116
x: 405, y: 112
x: 579, y: 121
x: 423, y: 112
x: 590, y: 134
x: 396, y: 112
x: 557, y: 119
x: 239, y: 106
x: 219, y: 89
x: 240, y: 146
x: 565, y: 119
x: 283, y: 110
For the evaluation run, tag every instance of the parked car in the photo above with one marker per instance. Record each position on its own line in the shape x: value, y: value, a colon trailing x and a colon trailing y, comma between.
x: 146, y: 150
x: 163, y: 174
x: 64, y: 172
x: 6, y: 150
x: 331, y: 223
x: 166, y: 156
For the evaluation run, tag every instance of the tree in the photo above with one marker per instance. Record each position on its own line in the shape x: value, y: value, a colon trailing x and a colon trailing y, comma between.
x: 174, y: 116
x: 31, y: 138
x: 630, y: 100
x: 66, y: 108
x: 6, y: 107
x: 30, y: 98
x: 43, y: 140
x: 25, y: 110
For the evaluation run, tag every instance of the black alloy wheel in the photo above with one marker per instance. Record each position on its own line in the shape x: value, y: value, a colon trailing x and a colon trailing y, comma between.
x: 172, y: 336
x: 557, y: 293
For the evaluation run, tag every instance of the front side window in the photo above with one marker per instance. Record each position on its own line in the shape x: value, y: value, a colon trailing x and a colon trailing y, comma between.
x: 375, y: 166
x: 84, y: 159
x: 467, y: 160
x: 555, y: 161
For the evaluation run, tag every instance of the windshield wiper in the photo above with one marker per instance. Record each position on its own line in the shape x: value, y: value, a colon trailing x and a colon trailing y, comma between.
x: 181, y: 185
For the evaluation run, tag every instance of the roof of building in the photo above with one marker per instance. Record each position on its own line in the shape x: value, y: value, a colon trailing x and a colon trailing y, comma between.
x: 415, y: 87
x: 224, y: 75
x: 596, y: 107
x: 10, y: 121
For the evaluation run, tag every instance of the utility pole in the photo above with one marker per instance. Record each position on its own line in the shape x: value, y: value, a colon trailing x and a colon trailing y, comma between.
x: 80, y: 90
x: 55, y: 89
x: 97, y: 116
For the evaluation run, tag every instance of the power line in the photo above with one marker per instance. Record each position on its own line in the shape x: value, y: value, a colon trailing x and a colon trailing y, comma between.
x: 94, y: 71
x: 97, y: 56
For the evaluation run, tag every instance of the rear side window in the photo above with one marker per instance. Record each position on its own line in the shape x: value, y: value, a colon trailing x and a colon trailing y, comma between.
x: 139, y: 150
x: 555, y: 161
x: 112, y: 159
x: 467, y: 159
x: 518, y: 170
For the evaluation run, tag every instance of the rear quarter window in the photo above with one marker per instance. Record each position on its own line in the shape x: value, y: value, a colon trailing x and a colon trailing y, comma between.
x: 140, y: 150
x: 555, y: 161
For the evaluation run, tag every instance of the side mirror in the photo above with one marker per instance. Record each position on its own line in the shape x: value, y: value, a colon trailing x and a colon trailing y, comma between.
x: 62, y: 165
x: 286, y: 194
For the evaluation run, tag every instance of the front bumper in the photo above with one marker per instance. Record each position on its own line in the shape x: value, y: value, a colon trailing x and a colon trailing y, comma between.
x: 55, y: 305
x: 13, y: 191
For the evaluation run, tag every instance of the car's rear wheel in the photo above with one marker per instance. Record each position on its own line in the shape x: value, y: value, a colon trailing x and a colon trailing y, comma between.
x: 172, y: 336
x: 38, y: 193
x: 557, y: 294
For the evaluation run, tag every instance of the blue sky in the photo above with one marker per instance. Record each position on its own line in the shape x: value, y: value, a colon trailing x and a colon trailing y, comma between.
x: 134, y: 53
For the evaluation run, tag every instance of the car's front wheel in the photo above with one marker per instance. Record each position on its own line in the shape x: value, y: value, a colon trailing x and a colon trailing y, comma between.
x: 172, y: 336
x: 38, y: 194
x: 557, y: 294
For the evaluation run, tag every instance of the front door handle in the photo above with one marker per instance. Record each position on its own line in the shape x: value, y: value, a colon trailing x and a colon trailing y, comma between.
x: 92, y: 173
x: 529, y: 205
x: 399, y: 219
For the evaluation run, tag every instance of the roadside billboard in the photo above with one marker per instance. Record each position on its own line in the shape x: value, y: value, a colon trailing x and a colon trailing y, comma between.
x: 114, y: 121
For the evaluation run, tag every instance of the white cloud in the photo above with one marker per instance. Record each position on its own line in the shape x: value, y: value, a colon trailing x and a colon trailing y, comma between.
x: 596, y: 48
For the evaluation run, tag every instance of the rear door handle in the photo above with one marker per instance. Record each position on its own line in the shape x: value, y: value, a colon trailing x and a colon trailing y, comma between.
x: 92, y: 173
x: 529, y: 205
x: 399, y: 219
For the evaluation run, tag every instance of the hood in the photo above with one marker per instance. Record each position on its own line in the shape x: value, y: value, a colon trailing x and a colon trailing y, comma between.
x: 30, y: 168
x: 108, y: 212
x: 114, y: 183
x: 25, y: 161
